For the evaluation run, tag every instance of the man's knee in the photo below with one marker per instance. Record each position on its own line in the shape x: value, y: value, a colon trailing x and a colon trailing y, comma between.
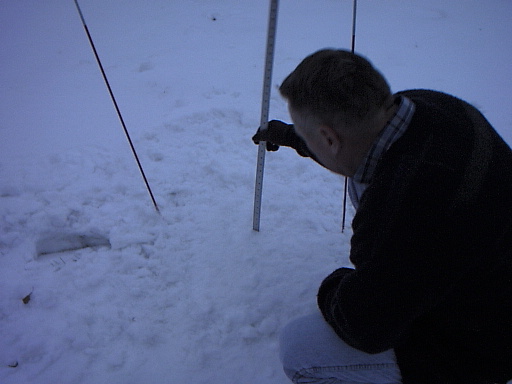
x: 309, y: 348
x: 296, y: 337
x: 303, y: 343
x: 293, y: 344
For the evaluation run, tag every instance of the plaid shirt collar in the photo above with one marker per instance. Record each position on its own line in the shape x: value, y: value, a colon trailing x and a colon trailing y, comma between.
x: 393, y: 130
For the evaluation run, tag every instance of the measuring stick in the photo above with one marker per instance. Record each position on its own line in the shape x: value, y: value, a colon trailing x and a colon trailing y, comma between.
x: 265, y: 105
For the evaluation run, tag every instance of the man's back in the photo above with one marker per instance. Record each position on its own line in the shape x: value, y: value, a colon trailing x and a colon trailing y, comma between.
x: 432, y: 247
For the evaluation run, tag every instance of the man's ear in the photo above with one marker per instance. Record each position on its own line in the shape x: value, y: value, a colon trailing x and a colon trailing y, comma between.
x: 330, y: 139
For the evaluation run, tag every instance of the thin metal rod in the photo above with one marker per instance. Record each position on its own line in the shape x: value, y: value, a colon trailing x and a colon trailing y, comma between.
x: 345, y: 192
x: 353, y: 47
x: 265, y: 105
x: 116, y: 106
x: 354, y: 10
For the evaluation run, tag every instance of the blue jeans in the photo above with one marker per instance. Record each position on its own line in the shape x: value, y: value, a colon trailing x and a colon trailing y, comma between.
x: 311, y: 352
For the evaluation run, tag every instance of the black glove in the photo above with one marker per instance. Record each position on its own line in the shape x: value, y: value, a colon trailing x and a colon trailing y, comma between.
x: 276, y: 133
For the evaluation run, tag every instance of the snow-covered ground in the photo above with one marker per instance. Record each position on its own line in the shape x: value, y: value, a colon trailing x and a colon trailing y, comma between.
x: 116, y: 293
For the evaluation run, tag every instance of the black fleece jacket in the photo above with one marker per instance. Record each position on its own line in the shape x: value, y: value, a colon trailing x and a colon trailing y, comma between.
x: 432, y: 250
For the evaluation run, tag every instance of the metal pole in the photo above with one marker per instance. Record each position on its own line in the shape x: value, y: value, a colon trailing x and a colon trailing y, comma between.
x: 354, y: 10
x: 265, y: 104
x: 353, y: 47
x: 116, y: 106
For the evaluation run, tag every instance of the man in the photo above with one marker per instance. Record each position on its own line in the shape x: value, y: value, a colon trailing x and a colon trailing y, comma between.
x: 430, y: 297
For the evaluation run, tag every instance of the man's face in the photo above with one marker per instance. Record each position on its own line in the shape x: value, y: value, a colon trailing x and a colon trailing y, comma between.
x: 322, y: 141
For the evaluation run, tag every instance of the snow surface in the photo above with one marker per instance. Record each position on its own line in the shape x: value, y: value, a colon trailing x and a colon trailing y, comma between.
x: 116, y: 293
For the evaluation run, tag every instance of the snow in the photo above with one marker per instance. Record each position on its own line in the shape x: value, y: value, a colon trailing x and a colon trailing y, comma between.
x: 117, y: 293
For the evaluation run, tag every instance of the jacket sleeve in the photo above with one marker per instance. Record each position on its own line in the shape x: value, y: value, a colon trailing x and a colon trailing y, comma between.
x: 298, y: 144
x: 404, y: 257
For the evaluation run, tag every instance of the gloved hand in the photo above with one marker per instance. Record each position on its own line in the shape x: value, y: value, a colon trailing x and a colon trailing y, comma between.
x: 275, y: 133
